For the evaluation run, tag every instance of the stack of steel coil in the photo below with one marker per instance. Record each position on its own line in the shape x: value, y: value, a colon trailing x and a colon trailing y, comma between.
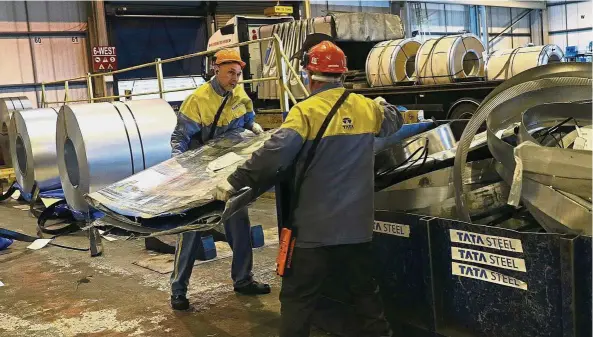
x: 7, y: 106
x: 33, y: 146
x: 101, y: 143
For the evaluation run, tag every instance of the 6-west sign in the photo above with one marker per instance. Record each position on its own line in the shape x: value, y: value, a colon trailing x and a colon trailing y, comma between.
x: 104, y: 58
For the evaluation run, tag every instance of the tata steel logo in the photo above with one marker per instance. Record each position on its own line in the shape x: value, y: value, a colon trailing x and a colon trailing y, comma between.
x: 347, y: 123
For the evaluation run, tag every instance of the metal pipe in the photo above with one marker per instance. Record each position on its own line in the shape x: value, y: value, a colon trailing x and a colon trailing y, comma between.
x: 66, y: 96
x: 307, y: 9
x: 43, y: 97
x: 213, y: 51
x: 258, y: 80
x: 159, y: 16
x: 484, y: 22
x: 511, y: 25
x: 159, y: 77
x: 290, y: 95
x: 69, y: 101
x: 282, y: 81
x: 70, y: 79
x: 89, y: 87
x: 183, y: 89
x: 291, y: 68
x: 32, y: 50
x: 67, y: 33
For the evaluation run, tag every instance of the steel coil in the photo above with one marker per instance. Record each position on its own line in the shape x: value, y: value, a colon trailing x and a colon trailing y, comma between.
x: 446, y: 59
x: 101, y: 143
x: 7, y: 106
x: 392, y: 61
x: 506, y: 63
x: 32, y: 136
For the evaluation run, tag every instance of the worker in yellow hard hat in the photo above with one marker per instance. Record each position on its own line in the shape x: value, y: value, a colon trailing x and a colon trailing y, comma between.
x: 215, y: 107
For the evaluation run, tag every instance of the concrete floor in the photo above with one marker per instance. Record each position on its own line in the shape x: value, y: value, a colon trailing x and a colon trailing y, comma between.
x: 46, y: 292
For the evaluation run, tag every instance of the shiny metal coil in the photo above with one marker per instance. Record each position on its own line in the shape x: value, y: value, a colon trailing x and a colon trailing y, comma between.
x: 506, y: 63
x: 448, y: 58
x: 32, y: 136
x: 101, y: 143
x: 7, y: 106
x: 392, y: 61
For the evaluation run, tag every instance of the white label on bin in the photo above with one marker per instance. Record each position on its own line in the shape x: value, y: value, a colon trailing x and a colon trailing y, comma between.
x: 476, y: 256
x: 392, y: 229
x: 489, y: 241
x: 478, y: 273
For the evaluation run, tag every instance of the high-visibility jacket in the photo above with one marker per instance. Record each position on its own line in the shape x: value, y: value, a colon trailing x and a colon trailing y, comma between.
x: 198, y: 110
x: 335, y: 205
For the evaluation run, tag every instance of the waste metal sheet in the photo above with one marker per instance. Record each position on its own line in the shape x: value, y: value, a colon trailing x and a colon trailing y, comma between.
x: 182, y: 182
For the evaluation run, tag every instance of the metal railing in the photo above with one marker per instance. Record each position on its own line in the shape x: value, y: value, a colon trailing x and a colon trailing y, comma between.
x: 282, y: 63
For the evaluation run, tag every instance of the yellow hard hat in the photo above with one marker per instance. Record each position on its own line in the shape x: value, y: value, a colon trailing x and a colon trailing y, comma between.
x: 227, y: 56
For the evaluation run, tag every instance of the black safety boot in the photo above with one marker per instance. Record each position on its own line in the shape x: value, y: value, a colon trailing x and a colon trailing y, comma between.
x: 254, y: 288
x: 179, y: 302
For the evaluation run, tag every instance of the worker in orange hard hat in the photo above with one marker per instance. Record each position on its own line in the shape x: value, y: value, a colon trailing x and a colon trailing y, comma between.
x: 215, y: 107
x: 228, y: 56
x: 325, y: 149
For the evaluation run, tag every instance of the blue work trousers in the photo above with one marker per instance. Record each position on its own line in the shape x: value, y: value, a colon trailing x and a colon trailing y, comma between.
x: 238, y: 234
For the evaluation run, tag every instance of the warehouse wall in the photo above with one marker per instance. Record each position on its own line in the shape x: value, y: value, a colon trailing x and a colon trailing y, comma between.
x: 434, y: 20
x: 517, y: 36
x: 570, y: 24
x: 42, y: 41
x: 321, y: 8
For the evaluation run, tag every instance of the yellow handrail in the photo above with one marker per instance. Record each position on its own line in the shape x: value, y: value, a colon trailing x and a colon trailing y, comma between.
x: 282, y: 85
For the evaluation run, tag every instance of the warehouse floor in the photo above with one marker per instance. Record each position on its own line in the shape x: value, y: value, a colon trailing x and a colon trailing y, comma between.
x: 58, y: 292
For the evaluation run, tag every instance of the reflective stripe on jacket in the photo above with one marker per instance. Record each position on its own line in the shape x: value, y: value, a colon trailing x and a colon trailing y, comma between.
x: 198, y: 110
x: 335, y: 205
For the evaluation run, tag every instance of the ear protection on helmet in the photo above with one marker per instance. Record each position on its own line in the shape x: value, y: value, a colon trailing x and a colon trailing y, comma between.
x: 305, y: 59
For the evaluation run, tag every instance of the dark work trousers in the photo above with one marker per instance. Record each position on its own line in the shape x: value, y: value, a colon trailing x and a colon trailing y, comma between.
x: 238, y: 234
x: 302, y: 288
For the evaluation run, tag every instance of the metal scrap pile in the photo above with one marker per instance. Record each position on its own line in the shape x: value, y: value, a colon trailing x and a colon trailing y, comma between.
x: 535, y: 172
x: 549, y: 166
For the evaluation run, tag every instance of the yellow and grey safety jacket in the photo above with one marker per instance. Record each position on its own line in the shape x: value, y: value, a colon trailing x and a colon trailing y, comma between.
x: 335, y: 203
x: 198, y: 111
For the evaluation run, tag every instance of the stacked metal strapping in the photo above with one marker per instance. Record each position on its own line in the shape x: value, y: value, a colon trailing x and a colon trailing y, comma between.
x: 553, y: 183
x: 101, y: 143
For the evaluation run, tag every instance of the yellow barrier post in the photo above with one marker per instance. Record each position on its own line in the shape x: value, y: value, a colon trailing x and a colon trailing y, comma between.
x: 66, y: 97
x: 43, y: 97
x: 159, y: 77
x: 282, y: 82
x: 89, y: 87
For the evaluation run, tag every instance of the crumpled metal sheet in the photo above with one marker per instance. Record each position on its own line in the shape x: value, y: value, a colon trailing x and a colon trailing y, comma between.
x: 183, y: 182
x: 503, y: 109
x: 368, y: 27
x: 432, y: 194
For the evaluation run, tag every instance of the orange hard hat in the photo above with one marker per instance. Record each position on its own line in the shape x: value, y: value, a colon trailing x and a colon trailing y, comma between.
x: 326, y: 57
x: 227, y: 56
